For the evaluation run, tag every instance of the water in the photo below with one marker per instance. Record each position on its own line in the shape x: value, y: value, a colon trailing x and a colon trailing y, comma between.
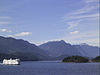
x: 50, y: 68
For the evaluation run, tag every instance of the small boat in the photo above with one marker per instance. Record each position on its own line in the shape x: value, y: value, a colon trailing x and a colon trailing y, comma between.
x: 11, y: 61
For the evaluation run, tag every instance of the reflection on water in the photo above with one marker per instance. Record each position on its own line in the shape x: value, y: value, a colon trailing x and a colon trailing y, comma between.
x: 50, y: 68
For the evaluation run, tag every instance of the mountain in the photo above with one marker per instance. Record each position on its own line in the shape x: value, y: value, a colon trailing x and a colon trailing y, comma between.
x: 59, y: 49
x: 18, y: 48
x: 87, y: 50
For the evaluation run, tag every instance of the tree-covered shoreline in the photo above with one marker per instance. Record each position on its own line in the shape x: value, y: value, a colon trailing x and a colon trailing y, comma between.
x: 96, y: 59
x: 76, y: 59
x: 80, y: 59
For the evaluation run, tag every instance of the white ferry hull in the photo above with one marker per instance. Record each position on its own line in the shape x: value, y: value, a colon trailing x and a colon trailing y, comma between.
x: 11, y: 62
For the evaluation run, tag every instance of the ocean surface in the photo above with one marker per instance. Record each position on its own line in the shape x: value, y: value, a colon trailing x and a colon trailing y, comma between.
x: 50, y: 68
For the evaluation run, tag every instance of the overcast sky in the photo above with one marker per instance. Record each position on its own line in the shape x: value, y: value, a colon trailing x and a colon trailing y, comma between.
x: 39, y: 21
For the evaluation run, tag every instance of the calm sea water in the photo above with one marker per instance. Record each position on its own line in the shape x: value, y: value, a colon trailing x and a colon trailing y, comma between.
x: 50, y: 68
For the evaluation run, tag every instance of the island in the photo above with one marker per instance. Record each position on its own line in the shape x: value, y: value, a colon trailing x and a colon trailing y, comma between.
x: 96, y: 59
x: 76, y: 59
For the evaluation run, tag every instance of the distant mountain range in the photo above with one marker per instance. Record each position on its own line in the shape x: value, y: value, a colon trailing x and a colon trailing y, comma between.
x: 55, y: 50
x: 87, y: 50
x: 62, y: 49
x: 58, y: 48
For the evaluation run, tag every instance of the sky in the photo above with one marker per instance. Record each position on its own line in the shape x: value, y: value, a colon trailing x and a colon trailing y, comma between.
x: 40, y: 21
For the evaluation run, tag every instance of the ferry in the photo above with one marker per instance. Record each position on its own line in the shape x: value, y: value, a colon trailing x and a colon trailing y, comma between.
x: 11, y: 61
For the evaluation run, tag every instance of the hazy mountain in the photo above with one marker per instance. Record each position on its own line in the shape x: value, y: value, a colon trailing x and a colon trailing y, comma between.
x: 87, y: 50
x: 18, y: 48
x: 59, y: 49
x: 62, y: 49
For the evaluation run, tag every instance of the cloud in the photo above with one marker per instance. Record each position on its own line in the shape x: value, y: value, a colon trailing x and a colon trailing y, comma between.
x: 86, y: 9
x: 89, y: 1
x: 85, y: 16
x: 5, y: 17
x: 23, y: 34
x: 10, y: 35
x: 92, y: 41
x: 84, y: 12
x: 73, y: 24
x: 74, y: 32
x: 5, y: 30
x: 90, y: 37
x: 82, y: 17
x: 3, y: 23
x: 20, y: 34
x: 84, y: 35
x: 89, y: 12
